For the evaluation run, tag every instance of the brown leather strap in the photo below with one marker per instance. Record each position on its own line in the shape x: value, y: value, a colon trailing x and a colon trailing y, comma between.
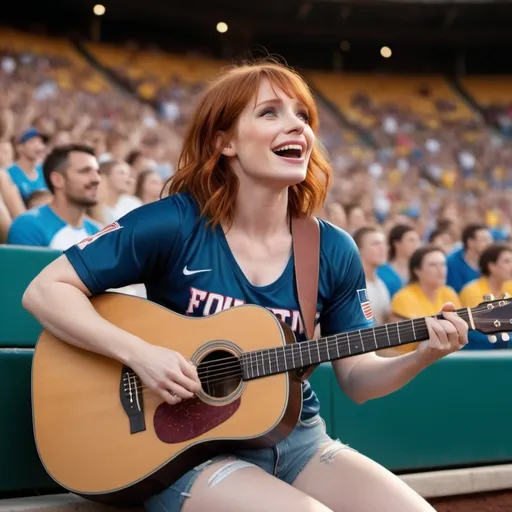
x: 306, y: 254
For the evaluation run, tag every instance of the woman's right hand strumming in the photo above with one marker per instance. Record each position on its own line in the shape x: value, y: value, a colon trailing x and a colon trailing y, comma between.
x: 167, y: 373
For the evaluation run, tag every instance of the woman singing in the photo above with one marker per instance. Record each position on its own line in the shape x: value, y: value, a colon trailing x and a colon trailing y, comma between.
x: 222, y: 238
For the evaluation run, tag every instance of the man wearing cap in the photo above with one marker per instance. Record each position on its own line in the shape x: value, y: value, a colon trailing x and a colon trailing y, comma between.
x: 27, y: 173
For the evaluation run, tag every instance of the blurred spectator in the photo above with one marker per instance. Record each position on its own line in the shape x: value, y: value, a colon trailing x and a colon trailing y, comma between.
x: 149, y: 186
x: 38, y: 198
x: 27, y: 173
x: 6, y: 154
x: 116, y: 185
x: 139, y: 162
x: 336, y: 215
x: 495, y: 265
x: 403, y: 240
x: 10, y: 195
x: 71, y: 173
x: 427, y: 291
x: 463, y: 263
x: 443, y: 239
x: 371, y: 242
x: 356, y: 218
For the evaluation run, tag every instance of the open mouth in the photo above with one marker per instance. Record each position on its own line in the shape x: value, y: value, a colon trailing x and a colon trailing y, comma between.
x: 289, y: 151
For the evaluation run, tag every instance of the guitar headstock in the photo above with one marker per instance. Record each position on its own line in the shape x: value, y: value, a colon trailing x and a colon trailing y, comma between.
x: 494, y: 317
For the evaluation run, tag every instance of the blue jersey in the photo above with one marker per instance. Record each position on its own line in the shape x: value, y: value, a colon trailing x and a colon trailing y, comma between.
x: 26, y: 186
x: 391, y: 278
x: 42, y: 227
x: 459, y: 272
x: 190, y: 269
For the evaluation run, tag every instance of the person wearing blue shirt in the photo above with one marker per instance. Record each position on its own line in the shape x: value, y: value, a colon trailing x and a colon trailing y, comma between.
x: 71, y: 174
x: 463, y: 263
x: 403, y: 240
x: 27, y: 173
x: 222, y: 238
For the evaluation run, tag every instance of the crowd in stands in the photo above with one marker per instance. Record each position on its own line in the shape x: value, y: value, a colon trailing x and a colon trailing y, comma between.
x: 421, y: 181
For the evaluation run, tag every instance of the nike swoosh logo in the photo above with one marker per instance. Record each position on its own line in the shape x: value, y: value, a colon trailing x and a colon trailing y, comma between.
x: 188, y: 272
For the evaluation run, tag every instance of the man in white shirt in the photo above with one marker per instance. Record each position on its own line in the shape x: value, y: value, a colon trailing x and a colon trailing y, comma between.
x: 372, y: 245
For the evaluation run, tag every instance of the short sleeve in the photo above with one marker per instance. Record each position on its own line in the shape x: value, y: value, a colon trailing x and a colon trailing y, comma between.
x: 348, y: 308
x: 27, y: 230
x: 130, y: 250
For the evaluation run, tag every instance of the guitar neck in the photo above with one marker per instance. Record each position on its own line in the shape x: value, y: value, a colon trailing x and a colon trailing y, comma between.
x: 262, y: 363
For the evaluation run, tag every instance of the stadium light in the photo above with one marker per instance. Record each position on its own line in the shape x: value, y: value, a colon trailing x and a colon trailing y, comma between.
x: 386, y: 52
x: 222, y: 27
x: 99, y: 10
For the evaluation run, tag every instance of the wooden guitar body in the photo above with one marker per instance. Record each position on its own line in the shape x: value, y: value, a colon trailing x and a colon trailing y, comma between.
x: 101, y: 436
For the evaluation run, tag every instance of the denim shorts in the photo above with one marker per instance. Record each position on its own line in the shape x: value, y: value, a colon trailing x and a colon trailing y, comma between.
x: 284, y: 460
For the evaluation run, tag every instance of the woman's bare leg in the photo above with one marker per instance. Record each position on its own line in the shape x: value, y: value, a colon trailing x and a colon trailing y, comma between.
x: 249, y: 489
x: 346, y: 481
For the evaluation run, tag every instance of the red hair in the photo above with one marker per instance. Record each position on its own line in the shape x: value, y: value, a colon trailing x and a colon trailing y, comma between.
x: 202, y: 169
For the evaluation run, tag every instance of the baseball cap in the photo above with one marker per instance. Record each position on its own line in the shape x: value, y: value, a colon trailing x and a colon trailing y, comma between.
x: 30, y: 134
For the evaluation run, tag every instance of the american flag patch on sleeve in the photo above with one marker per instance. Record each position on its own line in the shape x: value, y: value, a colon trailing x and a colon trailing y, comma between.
x: 365, y: 303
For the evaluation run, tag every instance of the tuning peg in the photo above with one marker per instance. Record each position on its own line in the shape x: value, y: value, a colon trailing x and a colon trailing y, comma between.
x: 492, y: 338
x: 506, y: 295
x: 505, y: 336
x: 489, y: 296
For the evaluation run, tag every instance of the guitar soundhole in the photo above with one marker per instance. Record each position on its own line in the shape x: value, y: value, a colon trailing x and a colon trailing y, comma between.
x: 220, y: 373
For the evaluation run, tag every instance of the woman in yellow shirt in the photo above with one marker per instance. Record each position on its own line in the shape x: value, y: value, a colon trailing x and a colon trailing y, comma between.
x: 496, y: 267
x: 426, y: 292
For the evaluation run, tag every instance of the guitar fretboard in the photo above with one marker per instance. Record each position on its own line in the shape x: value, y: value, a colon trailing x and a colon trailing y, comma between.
x: 261, y: 363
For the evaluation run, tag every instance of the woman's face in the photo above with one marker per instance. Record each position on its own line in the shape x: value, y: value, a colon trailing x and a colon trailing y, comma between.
x: 408, y: 244
x: 502, y: 269
x: 272, y: 142
x: 433, y: 270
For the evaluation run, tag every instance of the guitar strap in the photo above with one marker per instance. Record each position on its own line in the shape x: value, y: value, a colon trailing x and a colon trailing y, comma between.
x: 306, y: 255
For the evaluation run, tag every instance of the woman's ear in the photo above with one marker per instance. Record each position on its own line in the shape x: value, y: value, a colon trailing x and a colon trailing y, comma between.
x: 228, y: 148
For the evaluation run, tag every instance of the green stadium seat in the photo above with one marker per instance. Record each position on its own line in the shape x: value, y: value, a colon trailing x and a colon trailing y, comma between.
x: 18, y: 266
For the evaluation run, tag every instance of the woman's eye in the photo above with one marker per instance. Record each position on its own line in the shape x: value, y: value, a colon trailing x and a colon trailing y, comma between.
x: 268, y: 111
x: 304, y: 116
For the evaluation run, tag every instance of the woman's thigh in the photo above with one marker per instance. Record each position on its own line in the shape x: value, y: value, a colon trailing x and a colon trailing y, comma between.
x: 347, y: 481
x: 232, y: 485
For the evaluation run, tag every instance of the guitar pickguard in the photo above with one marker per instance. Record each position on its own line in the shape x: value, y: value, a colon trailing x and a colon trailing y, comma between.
x: 189, y: 419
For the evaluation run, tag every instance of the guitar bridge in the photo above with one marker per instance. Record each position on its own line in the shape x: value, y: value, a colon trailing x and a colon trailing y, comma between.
x: 131, y: 399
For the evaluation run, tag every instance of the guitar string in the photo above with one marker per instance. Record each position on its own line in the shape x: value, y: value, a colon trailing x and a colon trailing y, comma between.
x: 234, y: 370
x: 229, y: 360
x: 218, y: 363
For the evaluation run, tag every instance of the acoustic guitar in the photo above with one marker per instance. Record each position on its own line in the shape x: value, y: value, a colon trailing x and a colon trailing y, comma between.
x: 102, y: 435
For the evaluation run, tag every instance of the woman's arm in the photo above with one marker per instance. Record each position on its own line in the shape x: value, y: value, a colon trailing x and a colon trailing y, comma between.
x: 369, y: 376
x: 58, y: 298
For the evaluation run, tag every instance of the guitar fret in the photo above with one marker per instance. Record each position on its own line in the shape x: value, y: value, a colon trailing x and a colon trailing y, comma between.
x: 398, y: 331
x: 387, y: 334
x: 348, y: 344
x: 269, y: 362
x: 362, y: 343
x: 413, y: 329
x: 318, y: 350
x: 301, y: 358
x: 375, y: 338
